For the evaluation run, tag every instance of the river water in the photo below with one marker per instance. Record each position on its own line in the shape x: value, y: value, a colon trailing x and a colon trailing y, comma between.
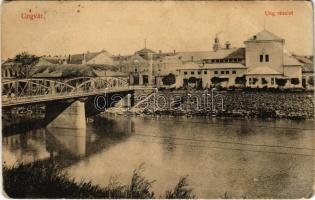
x: 240, y: 158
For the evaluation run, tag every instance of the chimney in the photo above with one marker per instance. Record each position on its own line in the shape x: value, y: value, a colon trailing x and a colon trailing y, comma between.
x: 227, y: 45
x: 174, y: 51
x: 69, y: 60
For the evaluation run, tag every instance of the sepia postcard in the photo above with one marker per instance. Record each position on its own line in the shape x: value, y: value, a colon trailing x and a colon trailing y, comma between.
x: 157, y: 99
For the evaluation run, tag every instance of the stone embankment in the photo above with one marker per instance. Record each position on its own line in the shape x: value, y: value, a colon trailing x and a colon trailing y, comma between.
x: 264, y: 104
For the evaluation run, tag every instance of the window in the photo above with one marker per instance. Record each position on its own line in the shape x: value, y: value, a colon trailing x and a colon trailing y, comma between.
x: 272, y: 81
x: 267, y: 58
x: 222, y: 72
x: 205, y: 72
x: 199, y: 73
x: 233, y: 72
x: 227, y: 72
x: 215, y: 72
x: 192, y: 73
x: 261, y: 58
x: 185, y: 73
x: 136, y: 70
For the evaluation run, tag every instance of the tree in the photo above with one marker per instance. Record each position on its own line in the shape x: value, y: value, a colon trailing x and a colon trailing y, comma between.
x: 255, y: 80
x: 192, y: 80
x: 25, y: 62
x: 281, y: 82
x: 169, y: 79
x: 264, y: 81
x: 215, y: 80
x: 240, y: 80
x: 311, y: 80
x: 295, y: 81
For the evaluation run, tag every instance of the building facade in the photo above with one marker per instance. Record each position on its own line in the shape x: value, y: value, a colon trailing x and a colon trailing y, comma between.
x: 263, y: 63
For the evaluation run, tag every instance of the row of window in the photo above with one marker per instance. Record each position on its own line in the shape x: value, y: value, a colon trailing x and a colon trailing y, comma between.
x: 215, y: 72
x: 261, y: 58
x: 230, y: 60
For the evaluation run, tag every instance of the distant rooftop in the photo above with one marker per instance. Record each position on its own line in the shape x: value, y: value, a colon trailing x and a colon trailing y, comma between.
x: 203, y: 55
x: 290, y: 60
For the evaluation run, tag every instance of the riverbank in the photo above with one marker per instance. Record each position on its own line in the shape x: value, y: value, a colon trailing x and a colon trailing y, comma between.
x: 244, y: 104
x: 44, y: 179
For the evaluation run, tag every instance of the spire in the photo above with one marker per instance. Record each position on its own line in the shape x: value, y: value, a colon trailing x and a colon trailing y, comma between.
x: 216, y: 46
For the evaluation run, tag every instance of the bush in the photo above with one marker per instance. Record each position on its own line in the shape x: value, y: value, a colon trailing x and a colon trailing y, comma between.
x: 180, y: 191
x: 240, y: 80
x: 311, y: 81
x: 295, y: 81
x: 44, y: 179
x: 264, y: 81
x: 192, y: 80
x: 281, y: 82
x: 169, y: 79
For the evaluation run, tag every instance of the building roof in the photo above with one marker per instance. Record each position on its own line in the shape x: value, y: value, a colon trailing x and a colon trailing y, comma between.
x: 265, y: 36
x: 100, y: 73
x: 52, y: 60
x: 189, y: 65
x: 47, y: 61
x: 303, y: 59
x: 262, y: 71
x: 72, y: 70
x: 78, y: 58
x: 144, y: 51
x: 47, y: 74
x: 308, y: 68
x: 224, y: 66
x: 290, y: 60
x: 238, y: 53
x: 202, y: 55
x: 307, y: 63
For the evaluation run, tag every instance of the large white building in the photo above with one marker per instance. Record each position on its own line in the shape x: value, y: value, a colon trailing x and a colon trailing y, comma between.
x: 262, y: 63
x: 267, y: 61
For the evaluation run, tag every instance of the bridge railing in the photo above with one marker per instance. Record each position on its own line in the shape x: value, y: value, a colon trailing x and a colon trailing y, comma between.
x: 25, y: 89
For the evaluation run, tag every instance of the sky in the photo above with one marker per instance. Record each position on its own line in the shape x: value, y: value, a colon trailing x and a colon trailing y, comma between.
x: 121, y: 27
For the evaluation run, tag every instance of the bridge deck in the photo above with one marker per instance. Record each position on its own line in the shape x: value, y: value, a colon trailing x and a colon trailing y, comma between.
x: 21, y: 100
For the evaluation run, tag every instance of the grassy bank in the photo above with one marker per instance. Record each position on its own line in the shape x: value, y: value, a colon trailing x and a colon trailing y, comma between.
x: 45, y: 180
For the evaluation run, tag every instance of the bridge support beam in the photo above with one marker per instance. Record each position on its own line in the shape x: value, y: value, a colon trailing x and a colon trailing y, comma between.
x: 72, y: 117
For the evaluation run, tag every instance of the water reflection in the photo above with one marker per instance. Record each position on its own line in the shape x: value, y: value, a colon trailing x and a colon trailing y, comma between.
x: 252, y: 159
x: 66, y: 141
x: 69, y: 145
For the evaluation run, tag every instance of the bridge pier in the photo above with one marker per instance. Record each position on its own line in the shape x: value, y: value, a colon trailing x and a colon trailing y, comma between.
x: 72, y: 117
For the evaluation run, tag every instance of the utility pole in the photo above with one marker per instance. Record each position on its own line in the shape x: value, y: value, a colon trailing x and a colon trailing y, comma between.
x: 150, y: 69
x: 145, y: 43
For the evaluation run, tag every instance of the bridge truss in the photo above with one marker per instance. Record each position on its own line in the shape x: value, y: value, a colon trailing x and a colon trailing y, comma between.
x: 19, y: 91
